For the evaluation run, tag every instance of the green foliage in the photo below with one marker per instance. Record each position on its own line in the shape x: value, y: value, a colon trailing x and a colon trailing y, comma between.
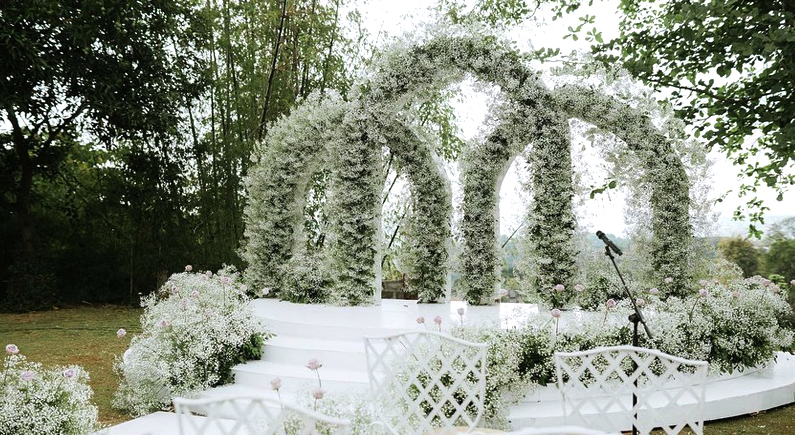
x: 728, y: 67
x: 742, y: 252
x: 127, y: 129
x: 780, y: 259
x: 31, y: 285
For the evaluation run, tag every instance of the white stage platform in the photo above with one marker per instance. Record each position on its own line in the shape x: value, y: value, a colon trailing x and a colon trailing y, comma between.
x: 333, y: 335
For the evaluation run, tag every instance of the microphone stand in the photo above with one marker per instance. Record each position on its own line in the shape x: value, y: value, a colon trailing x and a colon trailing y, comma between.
x: 635, y: 318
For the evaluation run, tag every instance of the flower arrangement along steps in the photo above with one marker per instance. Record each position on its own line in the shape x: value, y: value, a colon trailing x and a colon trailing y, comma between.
x: 333, y: 335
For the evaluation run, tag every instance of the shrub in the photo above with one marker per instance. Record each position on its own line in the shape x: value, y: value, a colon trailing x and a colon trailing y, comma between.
x: 193, y: 331
x: 39, y: 401
x: 304, y: 279
x: 31, y: 285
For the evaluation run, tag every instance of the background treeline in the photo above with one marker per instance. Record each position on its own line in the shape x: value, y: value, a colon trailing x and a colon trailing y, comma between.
x: 127, y: 128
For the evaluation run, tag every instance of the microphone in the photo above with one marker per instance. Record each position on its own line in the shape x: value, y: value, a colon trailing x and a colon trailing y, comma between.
x: 609, y: 243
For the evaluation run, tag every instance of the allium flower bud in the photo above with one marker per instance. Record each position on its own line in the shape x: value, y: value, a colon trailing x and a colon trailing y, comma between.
x: 555, y: 313
x: 276, y: 383
x: 313, y: 364
x: 421, y: 320
x: 121, y: 333
x: 189, y: 268
x: 12, y: 349
x: 559, y: 288
x: 611, y: 303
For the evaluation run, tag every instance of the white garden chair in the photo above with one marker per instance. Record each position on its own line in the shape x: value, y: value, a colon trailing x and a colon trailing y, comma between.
x: 615, y: 388
x: 426, y: 382
x: 253, y: 415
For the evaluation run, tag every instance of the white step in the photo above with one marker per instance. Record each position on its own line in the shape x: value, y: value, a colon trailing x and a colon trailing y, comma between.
x: 297, y: 378
x: 734, y: 396
x: 297, y: 351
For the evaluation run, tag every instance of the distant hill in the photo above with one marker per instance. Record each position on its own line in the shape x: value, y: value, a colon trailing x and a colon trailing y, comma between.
x: 729, y: 228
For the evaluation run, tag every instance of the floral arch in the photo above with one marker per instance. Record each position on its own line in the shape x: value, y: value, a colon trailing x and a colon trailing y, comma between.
x: 349, y: 137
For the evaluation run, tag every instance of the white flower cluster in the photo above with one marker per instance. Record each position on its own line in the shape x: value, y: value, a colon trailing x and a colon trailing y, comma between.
x: 277, y: 183
x: 44, y: 401
x: 193, y: 331
x: 349, y: 139
x: 670, y: 197
x: 734, y: 325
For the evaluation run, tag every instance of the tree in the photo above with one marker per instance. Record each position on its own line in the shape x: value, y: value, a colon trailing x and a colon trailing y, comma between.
x: 780, y: 259
x: 728, y: 65
x: 107, y: 66
x: 741, y: 252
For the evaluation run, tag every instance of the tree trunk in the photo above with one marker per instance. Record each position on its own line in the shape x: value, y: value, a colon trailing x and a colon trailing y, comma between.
x: 23, y: 200
x: 261, y: 129
x: 330, y: 47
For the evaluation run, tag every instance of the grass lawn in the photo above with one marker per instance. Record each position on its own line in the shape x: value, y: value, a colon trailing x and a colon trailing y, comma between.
x: 87, y: 336
x: 82, y: 335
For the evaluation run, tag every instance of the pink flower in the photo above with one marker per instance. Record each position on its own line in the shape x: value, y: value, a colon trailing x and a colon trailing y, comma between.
x: 208, y: 312
x: 225, y: 280
x: 555, y: 313
x: 69, y: 373
x: 437, y: 320
x: 27, y: 375
x: 502, y: 293
x: 276, y: 383
x: 12, y: 349
x: 318, y: 393
x: 421, y: 320
x: 460, y: 311
x: 208, y: 274
x: 668, y: 280
x: 654, y: 291
x: 703, y: 293
x: 776, y: 290
x: 194, y: 294
x: 559, y: 288
x: 121, y: 333
x: 579, y: 287
x: 611, y: 303
x: 766, y: 282
x: 792, y: 283
x: 164, y: 323
x: 640, y: 302
x: 703, y: 283
x: 188, y: 268
x: 313, y: 364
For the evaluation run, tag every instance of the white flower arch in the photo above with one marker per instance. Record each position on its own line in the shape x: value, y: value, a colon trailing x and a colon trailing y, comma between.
x: 348, y: 138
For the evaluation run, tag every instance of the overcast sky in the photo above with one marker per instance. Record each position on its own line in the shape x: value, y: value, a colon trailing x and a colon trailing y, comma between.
x: 605, y: 213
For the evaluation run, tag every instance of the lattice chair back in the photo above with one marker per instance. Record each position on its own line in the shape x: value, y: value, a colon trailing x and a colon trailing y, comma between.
x: 597, y: 389
x: 426, y: 382
x: 252, y: 415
